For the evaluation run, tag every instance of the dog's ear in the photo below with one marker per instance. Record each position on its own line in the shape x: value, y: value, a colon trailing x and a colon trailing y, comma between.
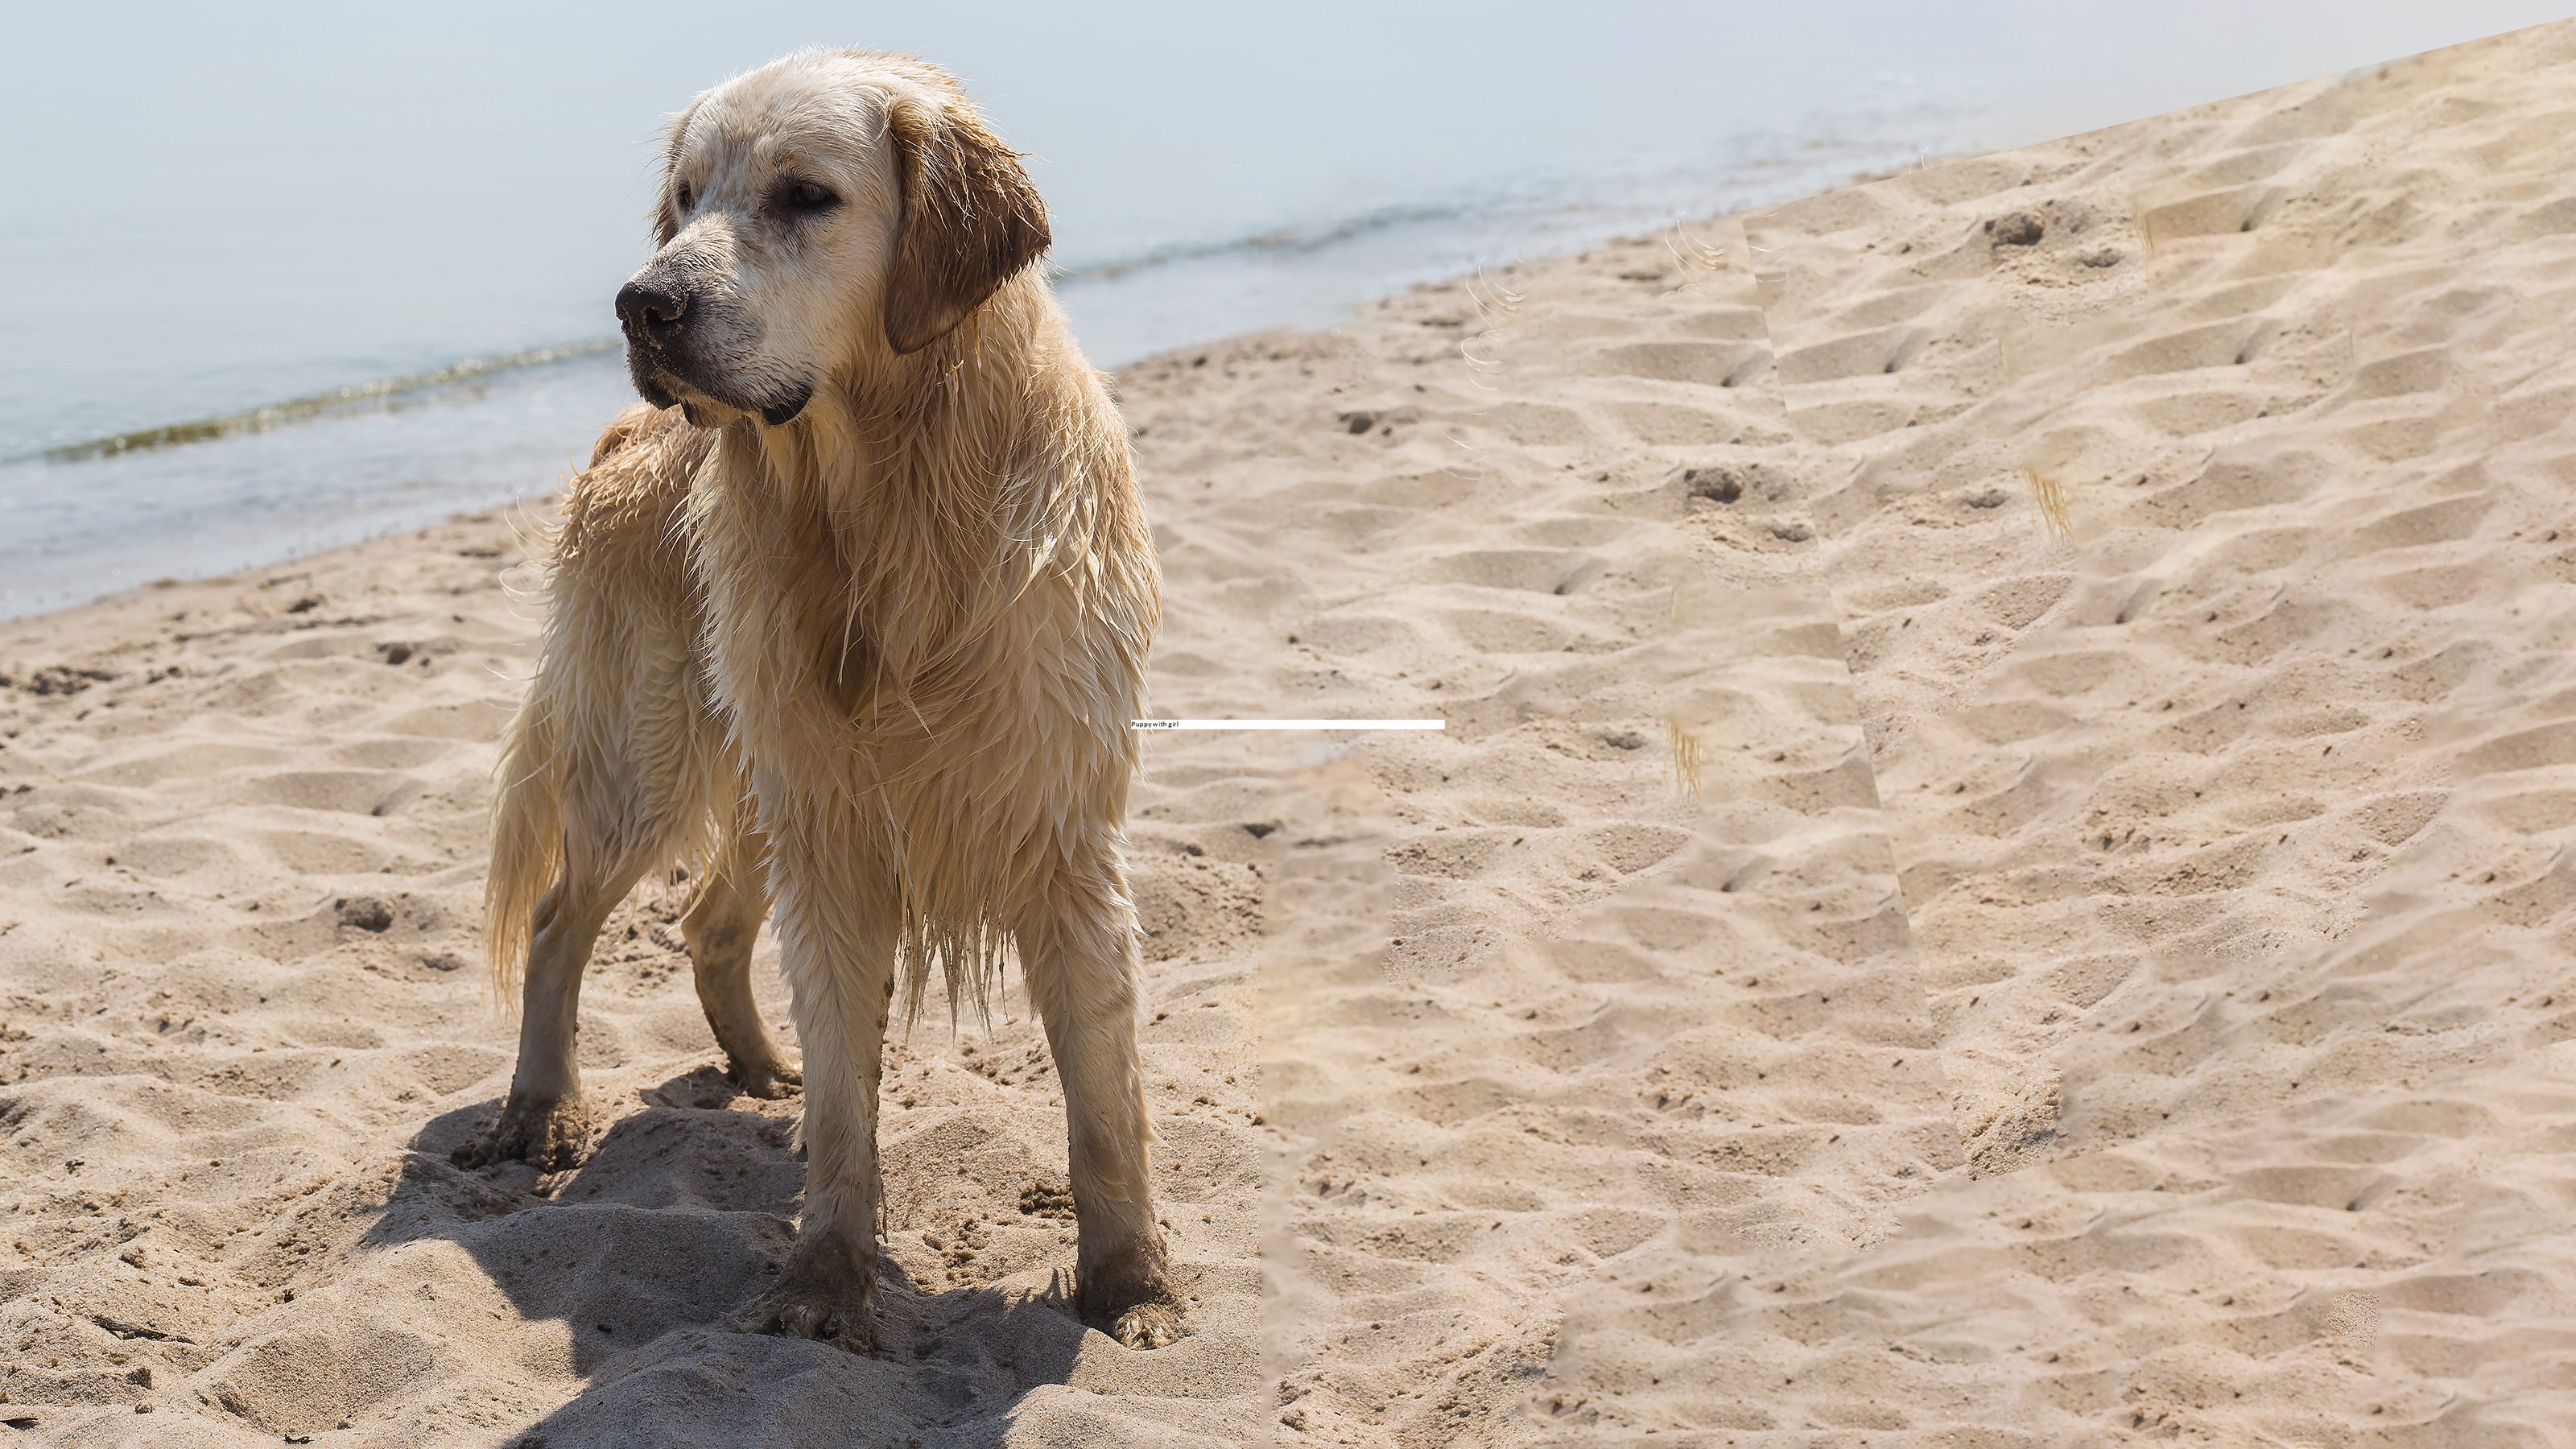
x: 971, y: 220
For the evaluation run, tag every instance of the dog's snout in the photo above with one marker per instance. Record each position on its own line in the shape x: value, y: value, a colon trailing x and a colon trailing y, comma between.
x: 651, y: 308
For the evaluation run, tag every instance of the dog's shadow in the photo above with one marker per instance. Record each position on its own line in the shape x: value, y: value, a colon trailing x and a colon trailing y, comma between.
x: 683, y: 1212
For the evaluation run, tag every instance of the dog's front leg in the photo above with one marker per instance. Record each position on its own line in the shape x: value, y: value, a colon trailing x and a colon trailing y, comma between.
x: 1078, y: 947
x: 836, y: 939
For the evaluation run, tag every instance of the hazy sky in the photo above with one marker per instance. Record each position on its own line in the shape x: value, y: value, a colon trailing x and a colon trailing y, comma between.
x: 371, y: 186
x: 1145, y: 116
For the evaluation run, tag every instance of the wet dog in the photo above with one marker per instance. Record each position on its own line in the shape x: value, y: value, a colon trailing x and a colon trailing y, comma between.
x: 851, y: 617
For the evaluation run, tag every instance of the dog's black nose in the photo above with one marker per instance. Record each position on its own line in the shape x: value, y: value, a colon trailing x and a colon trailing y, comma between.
x: 650, y: 309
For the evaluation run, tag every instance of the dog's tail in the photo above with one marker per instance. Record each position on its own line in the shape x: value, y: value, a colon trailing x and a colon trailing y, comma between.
x: 527, y: 841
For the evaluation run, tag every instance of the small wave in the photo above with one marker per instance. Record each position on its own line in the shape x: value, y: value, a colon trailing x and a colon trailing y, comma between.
x: 1860, y: 140
x: 1279, y: 239
x: 390, y: 392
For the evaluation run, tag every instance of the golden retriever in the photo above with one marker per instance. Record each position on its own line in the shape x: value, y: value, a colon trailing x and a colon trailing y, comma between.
x: 852, y: 617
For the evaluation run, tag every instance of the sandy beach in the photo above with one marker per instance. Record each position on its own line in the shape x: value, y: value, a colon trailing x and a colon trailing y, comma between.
x: 1998, y: 873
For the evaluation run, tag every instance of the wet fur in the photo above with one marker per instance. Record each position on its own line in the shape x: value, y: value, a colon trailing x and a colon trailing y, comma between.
x: 878, y: 662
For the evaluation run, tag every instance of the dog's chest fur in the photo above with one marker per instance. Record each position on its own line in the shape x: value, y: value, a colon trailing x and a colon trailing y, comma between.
x: 927, y: 634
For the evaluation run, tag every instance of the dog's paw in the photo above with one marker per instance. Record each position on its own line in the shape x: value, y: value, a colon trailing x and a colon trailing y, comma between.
x: 827, y: 1290
x: 1130, y: 1298
x: 551, y: 1136
x: 813, y: 1305
x: 1148, y: 1325
x: 768, y: 1080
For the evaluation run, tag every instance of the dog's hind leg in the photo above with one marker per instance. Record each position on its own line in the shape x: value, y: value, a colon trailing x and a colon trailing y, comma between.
x: 720, y: 929
x: 613, y: 766
x: 545, y: 1122
x: 1078, y: 950
x: 613, y: 806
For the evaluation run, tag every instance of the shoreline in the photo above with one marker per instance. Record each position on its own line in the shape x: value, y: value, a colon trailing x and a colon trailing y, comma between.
x: 466, y: 434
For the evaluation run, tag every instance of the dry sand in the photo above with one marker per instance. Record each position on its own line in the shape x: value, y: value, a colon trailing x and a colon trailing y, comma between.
x: 1998, y: 874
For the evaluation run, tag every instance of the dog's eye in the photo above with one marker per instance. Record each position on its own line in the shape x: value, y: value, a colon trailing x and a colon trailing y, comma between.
x: 810, y: 196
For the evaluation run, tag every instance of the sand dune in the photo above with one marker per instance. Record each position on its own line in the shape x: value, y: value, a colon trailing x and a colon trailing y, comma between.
x: 1997, y: 874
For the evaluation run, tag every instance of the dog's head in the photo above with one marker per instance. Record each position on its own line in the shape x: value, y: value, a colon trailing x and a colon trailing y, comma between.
x: 819, y: 217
